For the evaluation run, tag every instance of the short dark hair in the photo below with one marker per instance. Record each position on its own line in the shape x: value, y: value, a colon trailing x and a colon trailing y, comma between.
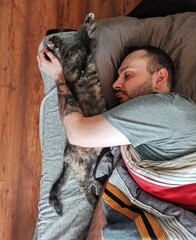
x: 157, y: 59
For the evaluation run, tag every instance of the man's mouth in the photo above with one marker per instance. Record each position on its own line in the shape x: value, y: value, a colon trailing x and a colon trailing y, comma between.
x: 119, y: 94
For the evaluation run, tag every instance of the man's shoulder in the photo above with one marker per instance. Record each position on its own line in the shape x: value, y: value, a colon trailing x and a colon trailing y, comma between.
x: 153, y: 103
x: 151, y: 98
x: 159, y: 97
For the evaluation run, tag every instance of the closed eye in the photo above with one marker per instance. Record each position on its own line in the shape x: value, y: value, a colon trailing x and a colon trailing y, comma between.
x: 128, y: 76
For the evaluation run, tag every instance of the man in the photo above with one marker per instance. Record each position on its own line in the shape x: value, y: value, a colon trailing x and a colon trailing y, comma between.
x: 159, y: 124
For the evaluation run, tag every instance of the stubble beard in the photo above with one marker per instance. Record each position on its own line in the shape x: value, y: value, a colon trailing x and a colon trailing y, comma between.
x: 143, y: 89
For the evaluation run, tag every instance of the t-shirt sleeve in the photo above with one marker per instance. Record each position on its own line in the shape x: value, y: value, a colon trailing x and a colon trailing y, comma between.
x: 145, y: 119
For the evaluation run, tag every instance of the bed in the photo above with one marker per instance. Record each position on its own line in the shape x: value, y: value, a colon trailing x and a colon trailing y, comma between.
x: 176, y: 34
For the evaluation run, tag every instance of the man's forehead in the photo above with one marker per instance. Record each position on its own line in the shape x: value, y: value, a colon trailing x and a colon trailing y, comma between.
x: 133, y: 60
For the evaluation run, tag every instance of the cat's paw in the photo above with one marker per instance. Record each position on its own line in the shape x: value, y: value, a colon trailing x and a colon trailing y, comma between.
x: 96, y: 188
x: 89, y: 18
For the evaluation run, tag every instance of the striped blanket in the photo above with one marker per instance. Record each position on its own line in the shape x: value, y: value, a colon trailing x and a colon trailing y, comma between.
x: 136, y: 189
x: 173, y: 181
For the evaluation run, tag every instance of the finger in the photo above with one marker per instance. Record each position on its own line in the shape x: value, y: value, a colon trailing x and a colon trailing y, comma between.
x: 41, y: 58
x: 42, y: 54
x: 38, y: 59
x: 51, y: 56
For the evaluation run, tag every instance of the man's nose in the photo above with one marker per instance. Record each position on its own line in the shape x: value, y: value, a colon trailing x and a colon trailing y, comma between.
x: 118, y: 83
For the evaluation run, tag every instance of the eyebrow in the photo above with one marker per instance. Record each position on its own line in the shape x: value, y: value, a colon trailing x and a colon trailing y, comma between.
x: 123, y: 69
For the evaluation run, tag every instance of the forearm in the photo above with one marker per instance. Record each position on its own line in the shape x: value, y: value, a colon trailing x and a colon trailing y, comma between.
x: 53, y: 68
x: 66, y: 100
x: 70, y: 111
x: 97, y: 223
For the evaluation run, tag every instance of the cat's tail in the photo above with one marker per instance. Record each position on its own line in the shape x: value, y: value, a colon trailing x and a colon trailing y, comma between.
x: 54, y: 198
x: 90, y: 17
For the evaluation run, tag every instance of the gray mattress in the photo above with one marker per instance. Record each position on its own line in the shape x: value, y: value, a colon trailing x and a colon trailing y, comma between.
x: 77, y: 211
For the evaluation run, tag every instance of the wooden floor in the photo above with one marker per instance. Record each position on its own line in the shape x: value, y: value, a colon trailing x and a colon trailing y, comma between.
x: 23, y: 24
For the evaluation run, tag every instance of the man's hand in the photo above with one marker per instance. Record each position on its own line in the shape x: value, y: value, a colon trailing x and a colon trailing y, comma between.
x: 49, y: 64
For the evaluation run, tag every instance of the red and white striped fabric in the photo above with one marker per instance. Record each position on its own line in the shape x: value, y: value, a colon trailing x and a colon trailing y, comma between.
x: 173, y: 181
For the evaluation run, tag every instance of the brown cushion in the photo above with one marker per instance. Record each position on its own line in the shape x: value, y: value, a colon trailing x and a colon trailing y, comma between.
x: 176, y: 34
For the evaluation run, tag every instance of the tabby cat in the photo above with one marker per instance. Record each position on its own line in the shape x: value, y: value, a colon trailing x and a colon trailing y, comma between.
x: 80, y: 73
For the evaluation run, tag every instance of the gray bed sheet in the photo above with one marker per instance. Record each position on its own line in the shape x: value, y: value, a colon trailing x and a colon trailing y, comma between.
x: 75, y: 221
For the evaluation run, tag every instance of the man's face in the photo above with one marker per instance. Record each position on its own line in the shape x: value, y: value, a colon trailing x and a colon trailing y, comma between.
x: 133, y: 80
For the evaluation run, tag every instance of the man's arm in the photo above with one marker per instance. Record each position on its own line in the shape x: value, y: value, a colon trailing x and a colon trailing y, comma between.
x: 93, y: 131
x: 98, y: 221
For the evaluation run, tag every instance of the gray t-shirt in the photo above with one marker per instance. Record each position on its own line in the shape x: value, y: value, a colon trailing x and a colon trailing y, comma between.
x: 160, y: 126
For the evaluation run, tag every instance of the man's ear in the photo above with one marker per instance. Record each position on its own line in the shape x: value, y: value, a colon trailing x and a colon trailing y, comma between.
x: 160, y: 79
